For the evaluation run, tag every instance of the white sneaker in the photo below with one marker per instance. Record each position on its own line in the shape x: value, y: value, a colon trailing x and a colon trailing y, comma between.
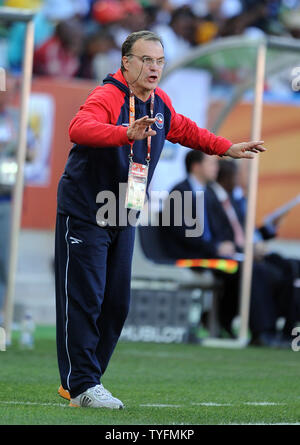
x: 96, y: 397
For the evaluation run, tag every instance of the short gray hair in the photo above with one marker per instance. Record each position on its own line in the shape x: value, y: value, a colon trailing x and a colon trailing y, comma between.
x: 134, y: 37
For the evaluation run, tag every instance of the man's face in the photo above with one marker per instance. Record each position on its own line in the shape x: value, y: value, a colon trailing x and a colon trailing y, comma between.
x: 144, y: 76
x: 210, y: 166
x: 231, y: 182
x: 207, y: 170
x: 185, y: 27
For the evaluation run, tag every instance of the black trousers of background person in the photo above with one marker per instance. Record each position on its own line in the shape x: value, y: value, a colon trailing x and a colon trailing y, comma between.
x: 92, y: 277
x: 269, y: 297
x: 287, y: 295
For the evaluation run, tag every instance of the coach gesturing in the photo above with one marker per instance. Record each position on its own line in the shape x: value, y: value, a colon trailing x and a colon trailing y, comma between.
x: 118, y: 135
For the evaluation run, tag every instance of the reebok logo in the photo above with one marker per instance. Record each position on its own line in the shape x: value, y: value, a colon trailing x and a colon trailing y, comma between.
x: 75, y: 240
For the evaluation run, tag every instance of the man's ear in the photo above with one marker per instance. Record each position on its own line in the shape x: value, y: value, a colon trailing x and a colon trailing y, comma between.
x: 125, y: 62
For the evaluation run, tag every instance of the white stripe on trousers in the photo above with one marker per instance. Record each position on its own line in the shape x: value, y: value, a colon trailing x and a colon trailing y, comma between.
x: 67, y: 301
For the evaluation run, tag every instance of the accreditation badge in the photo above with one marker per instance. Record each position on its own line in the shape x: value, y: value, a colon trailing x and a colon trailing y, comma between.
x: 136, y: 186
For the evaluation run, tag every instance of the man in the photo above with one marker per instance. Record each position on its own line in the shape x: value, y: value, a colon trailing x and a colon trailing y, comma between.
x: 60, y: 54
x: 93, y: 258
x: 201, y: 169
x: 272, y: 295
x: 178, y: 36
x: 222, y: 237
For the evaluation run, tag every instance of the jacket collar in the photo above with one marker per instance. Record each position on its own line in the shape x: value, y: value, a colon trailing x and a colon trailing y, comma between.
x: 118, y: 80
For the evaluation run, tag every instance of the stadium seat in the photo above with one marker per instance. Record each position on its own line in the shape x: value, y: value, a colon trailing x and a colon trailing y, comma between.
x: 152, y: 265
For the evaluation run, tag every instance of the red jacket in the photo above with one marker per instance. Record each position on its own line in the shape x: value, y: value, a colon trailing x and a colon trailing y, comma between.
x: 99, y: 160
x: 95, y: 124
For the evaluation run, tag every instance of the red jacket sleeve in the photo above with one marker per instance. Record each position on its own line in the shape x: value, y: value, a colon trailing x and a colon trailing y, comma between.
x: 95, y: 123
x: 186, y: 132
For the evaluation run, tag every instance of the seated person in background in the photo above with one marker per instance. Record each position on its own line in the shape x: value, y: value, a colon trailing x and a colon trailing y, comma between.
x: 202, y: 170
x: 272, y: 274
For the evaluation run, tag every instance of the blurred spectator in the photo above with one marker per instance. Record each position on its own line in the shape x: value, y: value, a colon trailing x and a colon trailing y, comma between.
x: 134, y: 19
x: 200, y: 170
x: 43, y: 30
x: 107, y: 12
x: 100, y: 56
x: 257, y: 17
x: 120, y: 18
x: 226, y: 218
x: 153, y: 16
x: 221, y: 239
x: 117, y: 20
x: 213, y: 16
x: 164, y: 9
x: 290, y: 18
x: 179, y: 37
x: 60, y: 55
x: 45, y: 21
x: 181, y: 24
x: 241, y: 23
x: 206, y: 31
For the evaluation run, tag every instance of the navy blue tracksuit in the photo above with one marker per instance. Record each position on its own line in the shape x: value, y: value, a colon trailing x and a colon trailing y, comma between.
x: 93, y: 270
x: 92, y: 262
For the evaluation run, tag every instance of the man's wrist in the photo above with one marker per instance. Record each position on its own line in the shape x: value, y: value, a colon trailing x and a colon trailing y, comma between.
x: 129, y: 141
x: 227, y: 151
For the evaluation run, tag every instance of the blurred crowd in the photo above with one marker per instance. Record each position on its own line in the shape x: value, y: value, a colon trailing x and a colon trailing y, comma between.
x: 83, y: 38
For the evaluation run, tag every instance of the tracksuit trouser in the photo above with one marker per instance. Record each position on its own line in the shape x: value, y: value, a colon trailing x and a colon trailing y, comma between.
x: 92, y: 278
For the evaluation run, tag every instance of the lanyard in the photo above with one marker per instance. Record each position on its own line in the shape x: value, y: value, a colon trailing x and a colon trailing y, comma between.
x: 132, y: 119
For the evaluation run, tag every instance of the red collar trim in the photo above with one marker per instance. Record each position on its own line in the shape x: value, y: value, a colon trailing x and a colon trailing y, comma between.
x: 119, y: 76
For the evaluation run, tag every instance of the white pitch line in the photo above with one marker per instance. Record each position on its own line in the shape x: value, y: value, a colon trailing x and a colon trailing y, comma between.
x: 237, y: 404
x: 150, y: 405
x: 210, y: 404
x: 163, y: 405
x: 263, y: 403
x: 160, y: 405
x: 259, y: 424
x: 15, y: 402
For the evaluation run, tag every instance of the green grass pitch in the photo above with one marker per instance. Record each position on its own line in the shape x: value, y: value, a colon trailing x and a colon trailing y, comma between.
x: 160, y: 384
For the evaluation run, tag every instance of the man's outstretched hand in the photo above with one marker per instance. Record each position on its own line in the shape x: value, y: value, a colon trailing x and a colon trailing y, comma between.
x: 245, y: 149
x: 141, y: 128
